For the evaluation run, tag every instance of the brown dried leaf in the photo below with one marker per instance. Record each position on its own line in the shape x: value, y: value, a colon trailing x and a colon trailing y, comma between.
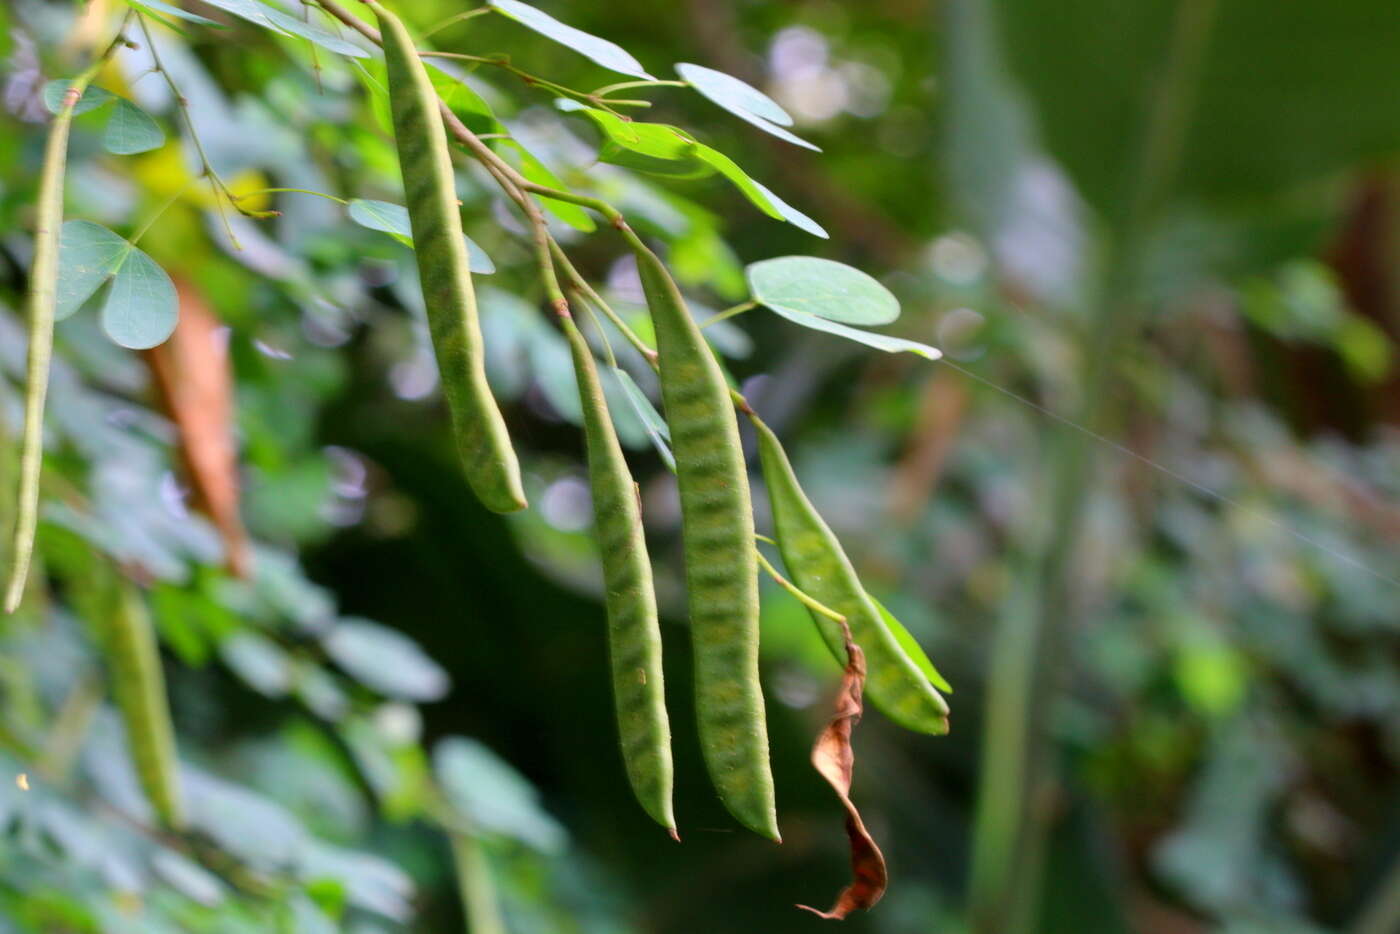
x: 835, y: 759
x: 195, y: 382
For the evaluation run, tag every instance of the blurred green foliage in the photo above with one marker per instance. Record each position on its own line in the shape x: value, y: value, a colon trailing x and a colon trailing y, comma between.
x: 1223, y: 731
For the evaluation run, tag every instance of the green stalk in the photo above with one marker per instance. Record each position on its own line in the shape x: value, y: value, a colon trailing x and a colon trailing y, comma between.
x: 806, y: 599
x: 1017, y: 774
x: 469, y: 864
x: 474, y: 885
x: 728, y: 313
x: 9, y: 462
x: 39, y: 310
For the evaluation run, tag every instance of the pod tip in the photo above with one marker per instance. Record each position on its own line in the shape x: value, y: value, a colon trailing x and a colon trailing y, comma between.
x: 506, y: 506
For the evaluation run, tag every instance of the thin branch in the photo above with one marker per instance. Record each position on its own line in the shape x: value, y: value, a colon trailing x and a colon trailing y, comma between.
x: 625, y: 85
x: 530, y: 79
x: 311, y: 47
x: 810, y: 602
x: 597, y: 324
x: 351, y: 20
x: 457, y: 18
x: 728, y: 313
x: 593, y: 297
x: 294, y: 191
x: 159, y: 212
x: 206, y: 168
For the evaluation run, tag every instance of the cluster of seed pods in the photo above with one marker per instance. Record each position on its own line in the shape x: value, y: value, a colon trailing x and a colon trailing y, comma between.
x: 721, y: 565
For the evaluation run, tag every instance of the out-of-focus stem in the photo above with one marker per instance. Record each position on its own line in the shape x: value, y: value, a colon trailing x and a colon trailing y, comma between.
x: 475, y: 886
x: 1016, y: 774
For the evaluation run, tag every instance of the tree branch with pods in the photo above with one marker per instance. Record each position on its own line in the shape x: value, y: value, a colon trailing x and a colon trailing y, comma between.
x: 698, y: 435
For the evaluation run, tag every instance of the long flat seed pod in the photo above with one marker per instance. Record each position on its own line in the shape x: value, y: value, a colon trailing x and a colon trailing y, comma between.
x: 39, y: 305
x: 634, y: 637
x: 721, y: 570
x: 483, y: 442
x: 138, y: 682
x: 9, y: 469
x: 819, y: 566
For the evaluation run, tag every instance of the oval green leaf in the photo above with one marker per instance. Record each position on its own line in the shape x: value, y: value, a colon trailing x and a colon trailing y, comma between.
x: 658, y: 146
x: 822, y: 287
x: 883, y: 342
x: 385, y: 661
x: 608, y: 54
x: 258, y: 662
x: 141, y: 307
x: 737, y: 97
x: 392, y: 219
x: 790, y: 214
x: 187, y: 877
x: 493, y: 796
x: 93, y: 97
x: 131, y: 130
x: 158, y: 7
x: 251, y: 10
x: 743, y: 101
x: 752, y: 190
x: 88, y: 254
x: 657, y: 429
x: 775, y: 130
x: 271, y: 18
x: 658, y: 140
x: 326, y: 40
x: 654, y: 148
x: 685, y: 168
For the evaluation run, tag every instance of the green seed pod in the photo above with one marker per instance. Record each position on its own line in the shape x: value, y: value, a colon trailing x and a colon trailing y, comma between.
x: 40, y: 301
x: 634, y: 637
x: 721, y: 569
x: 138, y: 682
x: 820, y: 567
x: 429, y: 191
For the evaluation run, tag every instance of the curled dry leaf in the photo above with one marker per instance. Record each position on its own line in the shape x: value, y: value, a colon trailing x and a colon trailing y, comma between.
x: 835, y: 759
x: 195, y: 383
